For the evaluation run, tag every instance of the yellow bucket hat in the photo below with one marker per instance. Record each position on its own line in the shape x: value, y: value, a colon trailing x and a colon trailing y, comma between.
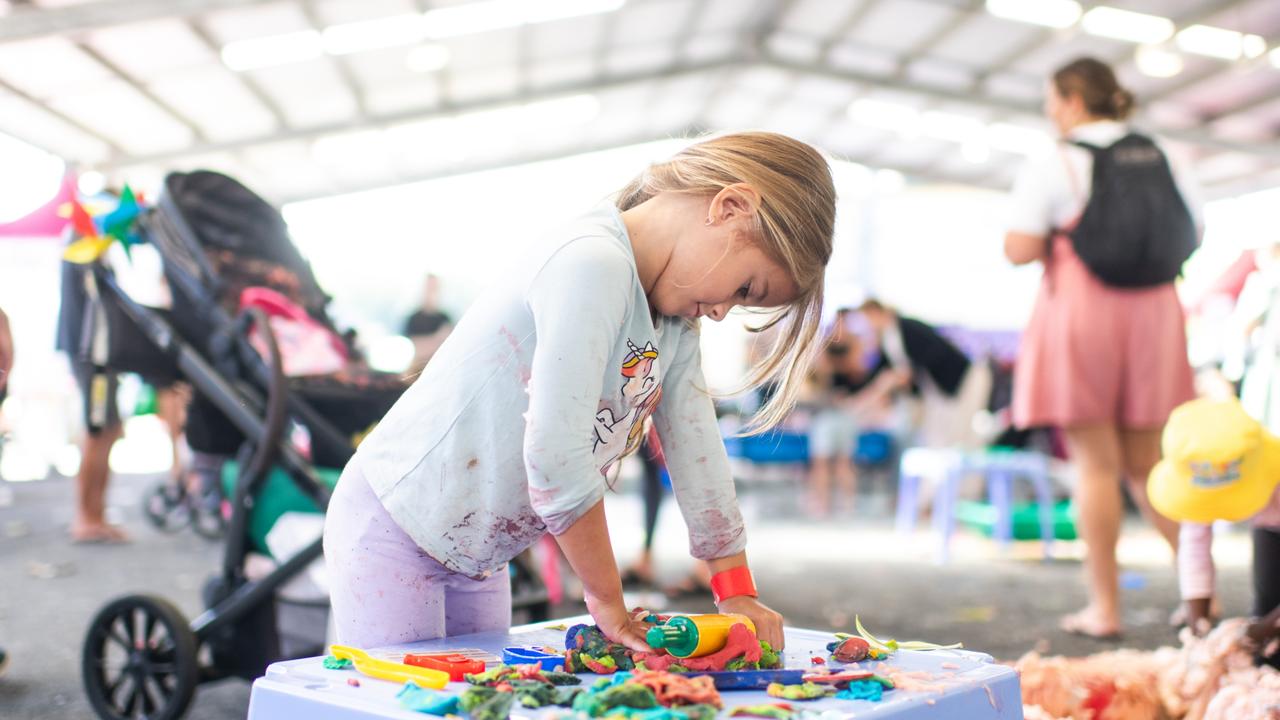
x: 1219, y: 464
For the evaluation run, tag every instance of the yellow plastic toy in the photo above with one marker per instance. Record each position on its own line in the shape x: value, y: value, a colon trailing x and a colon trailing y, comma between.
x: 691, y: 636
x: 388, y: 670
x: 1219, y: 464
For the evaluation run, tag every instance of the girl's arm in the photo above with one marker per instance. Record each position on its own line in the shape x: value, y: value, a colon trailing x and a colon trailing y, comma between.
x: 586, y: 545
x: 578, y: 301
x: 767, y: 621
x: 700, y: 476
x: 1195, y: 573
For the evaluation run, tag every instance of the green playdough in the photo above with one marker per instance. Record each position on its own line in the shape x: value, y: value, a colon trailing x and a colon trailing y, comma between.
x: 591, y: 652
x: 806, y: 691
x: 600, y: 700
x: 776, y: 711
x: 335, y: 663
x: 483, y: 703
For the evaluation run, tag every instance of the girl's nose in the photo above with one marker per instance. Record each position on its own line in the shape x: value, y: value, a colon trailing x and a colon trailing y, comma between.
x: 717, y: 312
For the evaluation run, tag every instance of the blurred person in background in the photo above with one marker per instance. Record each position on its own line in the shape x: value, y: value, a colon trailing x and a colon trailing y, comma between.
x: 1106, y: 364
x: 428, y: 326
x: 6, y: 364
x: 98, y: 388
x: 845, y: 394
x: 951, y: 388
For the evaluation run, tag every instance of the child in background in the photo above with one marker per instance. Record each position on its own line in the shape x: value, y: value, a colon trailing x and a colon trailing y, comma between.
x: 547, y: 380
x: 1221, y: 464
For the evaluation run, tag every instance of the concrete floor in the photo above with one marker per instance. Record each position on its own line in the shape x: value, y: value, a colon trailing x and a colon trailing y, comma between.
x: 817, y: 574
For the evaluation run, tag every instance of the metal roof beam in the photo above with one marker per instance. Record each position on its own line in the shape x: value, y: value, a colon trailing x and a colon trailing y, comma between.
x: 494, y: 164
x: 684, y: 132
x: 444, y: 110
x: 1030, y: 109
x: 25, y: 22
x: 143, y: 90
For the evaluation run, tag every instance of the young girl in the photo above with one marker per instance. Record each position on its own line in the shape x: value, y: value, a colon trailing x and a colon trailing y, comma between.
x: 1221, y: 464
x: 547, y: 380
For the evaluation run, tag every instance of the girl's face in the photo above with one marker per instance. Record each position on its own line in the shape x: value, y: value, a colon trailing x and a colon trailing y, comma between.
x: 715, y: 267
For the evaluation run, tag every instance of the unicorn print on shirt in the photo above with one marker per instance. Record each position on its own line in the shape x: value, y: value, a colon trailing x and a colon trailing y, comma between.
x: 617, y: 436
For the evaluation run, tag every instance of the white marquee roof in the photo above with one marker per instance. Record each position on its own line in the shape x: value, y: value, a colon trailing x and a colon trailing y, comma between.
x: 353, y: 94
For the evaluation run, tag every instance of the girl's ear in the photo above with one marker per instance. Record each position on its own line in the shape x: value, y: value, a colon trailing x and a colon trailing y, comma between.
x: 736, y: 201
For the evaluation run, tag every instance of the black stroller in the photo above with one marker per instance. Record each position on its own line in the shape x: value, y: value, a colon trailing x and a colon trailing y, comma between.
x: 141, y: 657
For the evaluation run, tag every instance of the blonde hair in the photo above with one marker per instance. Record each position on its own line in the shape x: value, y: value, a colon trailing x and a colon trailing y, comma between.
x: 795, y: 224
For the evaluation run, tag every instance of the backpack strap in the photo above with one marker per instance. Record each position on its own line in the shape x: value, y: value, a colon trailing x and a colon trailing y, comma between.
x: 1072, y: 178
x: 1074, y: 181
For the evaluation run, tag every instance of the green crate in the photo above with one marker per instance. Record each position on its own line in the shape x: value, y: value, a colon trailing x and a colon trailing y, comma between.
x: 981, y: 516
x: 278, y: 496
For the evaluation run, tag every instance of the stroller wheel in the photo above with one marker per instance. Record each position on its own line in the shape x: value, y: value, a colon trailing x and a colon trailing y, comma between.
x: 166, y: 507
x: 208, y: 522
x: 139, y: 660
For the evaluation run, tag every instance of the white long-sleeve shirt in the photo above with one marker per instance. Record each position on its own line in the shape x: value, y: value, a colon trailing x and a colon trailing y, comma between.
x: 542, y: 387
x: 1195, y: 551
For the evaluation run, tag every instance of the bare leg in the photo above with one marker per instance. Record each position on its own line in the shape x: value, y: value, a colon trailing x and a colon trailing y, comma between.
x: 846, y: 477
x: 819, y: 486
x: 171, y: 407
x: 1141, y: 449
x: 1095, y: 449
x: 90, y: 523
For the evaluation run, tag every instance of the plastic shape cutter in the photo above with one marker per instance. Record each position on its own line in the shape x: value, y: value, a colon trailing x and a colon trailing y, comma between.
x: 545, y: 658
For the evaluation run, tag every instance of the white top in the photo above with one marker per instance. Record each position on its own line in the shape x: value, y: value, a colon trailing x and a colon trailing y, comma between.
x: 542, y: 387
x: 1044, y: 198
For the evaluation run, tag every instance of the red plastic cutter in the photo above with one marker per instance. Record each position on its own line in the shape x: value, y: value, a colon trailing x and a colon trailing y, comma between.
x: 458, y: 666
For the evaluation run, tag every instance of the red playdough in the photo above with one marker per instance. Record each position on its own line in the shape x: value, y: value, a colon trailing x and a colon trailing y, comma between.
x: 852, y: 650
x: 742, y: 643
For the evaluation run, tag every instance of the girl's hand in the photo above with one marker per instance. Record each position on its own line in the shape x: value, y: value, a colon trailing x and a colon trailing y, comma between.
x: 1198, y: 616
x: 768, y: 622
x: 617, y: 624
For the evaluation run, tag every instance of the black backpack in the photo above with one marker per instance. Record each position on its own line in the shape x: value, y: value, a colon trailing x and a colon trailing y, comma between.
x: 1136, y: 230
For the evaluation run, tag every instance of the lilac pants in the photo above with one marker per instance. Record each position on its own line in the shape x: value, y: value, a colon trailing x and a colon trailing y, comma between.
x: 385, y: 590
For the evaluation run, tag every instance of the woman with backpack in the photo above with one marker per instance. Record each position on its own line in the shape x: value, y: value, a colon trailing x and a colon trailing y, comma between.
x: 1104, y: 356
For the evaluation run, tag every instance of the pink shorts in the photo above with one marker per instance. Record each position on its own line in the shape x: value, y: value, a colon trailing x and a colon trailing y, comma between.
x: 1097, y: 354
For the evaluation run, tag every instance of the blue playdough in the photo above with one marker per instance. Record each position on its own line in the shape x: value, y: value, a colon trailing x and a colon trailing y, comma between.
x: 418, y: 699
x: 862, y: 690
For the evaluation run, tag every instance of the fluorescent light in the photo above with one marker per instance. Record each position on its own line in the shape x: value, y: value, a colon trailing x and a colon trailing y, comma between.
x: 976, y: 152
x: 393, y: 31
x: 1254, y: 46
x: 486, y: 15
x: 475, y: 17
x: 1157, y: 61
x: 272, y: 50
x: 901, y: 119
x: 1050, y: 13
x: 1016, y: 139
x: 950, y: 126
x: 427, y: 58
x: 1274, y: 57
x: 1119, y: 24
x: 1221, y: 43
x: 536, y: 11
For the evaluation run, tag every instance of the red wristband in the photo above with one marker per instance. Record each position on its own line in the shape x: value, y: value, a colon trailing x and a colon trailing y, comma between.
x: 732, y: 583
